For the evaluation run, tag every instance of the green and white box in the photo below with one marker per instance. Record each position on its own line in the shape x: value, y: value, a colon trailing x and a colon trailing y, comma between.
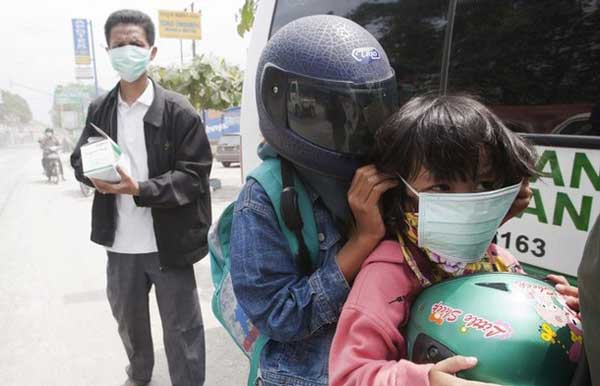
x: 100, y: 158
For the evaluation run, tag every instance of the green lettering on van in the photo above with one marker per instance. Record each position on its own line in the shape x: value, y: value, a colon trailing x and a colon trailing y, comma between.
x: 536, y: 207
x: 581, y: 219
x: 550, y: 157
x: 582, y: 163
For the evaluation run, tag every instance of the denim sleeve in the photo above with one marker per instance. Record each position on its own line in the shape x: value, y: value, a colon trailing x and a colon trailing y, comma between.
x: 282, y: 303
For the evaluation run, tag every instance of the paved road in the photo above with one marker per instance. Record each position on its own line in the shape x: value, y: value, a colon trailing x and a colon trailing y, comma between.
x: 56, y: 328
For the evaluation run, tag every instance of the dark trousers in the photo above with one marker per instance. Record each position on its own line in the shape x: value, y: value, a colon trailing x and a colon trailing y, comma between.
x: 129, y: 279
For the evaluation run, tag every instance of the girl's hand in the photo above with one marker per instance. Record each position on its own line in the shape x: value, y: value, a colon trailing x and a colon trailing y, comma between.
x: 363, y: 197
x: 442, y: 374
x: 569, y: 292
x: 521, y: 202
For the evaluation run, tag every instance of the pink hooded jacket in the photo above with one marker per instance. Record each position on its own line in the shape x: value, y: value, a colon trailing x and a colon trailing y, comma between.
x: 368, y: 347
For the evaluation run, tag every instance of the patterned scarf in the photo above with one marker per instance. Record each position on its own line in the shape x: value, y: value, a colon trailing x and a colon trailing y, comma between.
x: 442, y: 268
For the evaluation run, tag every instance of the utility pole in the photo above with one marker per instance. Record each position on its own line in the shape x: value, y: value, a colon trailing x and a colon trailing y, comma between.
x: 193, y: 41
x: 94, y: 55
x: 181, y: 52
x: 181, y: 46
x: 181, y: 42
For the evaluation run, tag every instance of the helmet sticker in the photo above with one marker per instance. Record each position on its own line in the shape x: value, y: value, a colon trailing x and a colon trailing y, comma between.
x: 441, y: 313
x: 498, y: 330
x: 576, y: 336
x: 556, y: 314
x: 547, y: 303
x: 548, y: 334
x: 366, y: 55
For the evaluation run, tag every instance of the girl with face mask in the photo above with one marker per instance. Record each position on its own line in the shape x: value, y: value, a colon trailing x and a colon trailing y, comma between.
x: 460, y: 170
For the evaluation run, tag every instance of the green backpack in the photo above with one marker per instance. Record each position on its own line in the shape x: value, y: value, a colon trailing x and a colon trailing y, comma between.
x: 296, y: 220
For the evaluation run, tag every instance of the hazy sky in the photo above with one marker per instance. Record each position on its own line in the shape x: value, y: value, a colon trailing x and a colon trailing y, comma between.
x: 37, y: 45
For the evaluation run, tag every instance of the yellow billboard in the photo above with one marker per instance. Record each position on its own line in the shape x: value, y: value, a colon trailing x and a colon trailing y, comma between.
x: 180, y: 25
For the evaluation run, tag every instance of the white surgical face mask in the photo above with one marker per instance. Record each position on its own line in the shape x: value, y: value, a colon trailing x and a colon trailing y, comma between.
x: 130, y: 61
x: 461, y: 226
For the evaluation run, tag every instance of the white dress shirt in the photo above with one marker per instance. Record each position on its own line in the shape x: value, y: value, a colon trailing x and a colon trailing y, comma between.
x: 135, y: 230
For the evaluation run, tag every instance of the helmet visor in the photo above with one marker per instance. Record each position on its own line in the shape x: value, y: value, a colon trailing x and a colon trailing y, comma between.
x: 338, y: 116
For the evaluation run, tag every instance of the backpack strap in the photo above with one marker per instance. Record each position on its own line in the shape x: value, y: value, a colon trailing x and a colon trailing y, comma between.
x: 290, y: 213
x: 294, y: 211
x: 254, y: 374
x: 269, y: 176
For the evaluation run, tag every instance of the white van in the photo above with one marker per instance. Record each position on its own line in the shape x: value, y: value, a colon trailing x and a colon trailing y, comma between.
x: 535, y: 63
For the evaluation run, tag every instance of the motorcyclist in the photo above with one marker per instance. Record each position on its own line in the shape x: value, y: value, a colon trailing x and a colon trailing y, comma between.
x: 50, y: 144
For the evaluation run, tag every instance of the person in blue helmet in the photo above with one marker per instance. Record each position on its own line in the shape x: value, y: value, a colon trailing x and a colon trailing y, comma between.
x: 324, y: 85
x: 336, y: 70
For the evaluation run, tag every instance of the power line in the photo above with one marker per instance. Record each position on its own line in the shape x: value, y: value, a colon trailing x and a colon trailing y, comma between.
x: 11, y: 83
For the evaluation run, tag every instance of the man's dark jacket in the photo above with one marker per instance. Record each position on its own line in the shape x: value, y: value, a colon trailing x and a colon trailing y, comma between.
x: 179, y: 163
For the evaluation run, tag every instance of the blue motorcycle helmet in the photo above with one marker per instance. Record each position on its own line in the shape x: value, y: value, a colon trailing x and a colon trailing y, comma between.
x: 324, y: 86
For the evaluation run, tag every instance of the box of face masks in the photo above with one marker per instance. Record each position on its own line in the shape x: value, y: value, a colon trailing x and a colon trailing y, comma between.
x: 100, y: 157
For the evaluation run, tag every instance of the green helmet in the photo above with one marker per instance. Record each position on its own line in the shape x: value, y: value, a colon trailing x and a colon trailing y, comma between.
x: 518, y: 327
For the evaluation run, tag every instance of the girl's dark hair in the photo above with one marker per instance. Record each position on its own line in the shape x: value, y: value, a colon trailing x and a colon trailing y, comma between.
x: 449, y: 135
x: 130, y: 16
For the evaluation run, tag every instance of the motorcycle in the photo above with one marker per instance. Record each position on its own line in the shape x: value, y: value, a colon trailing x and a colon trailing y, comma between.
x: 52, y: 164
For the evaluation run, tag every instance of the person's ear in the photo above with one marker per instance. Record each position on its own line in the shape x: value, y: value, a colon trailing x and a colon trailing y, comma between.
x: 153, y: 52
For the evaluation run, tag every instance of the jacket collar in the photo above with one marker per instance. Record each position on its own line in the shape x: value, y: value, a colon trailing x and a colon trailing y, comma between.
x: 154, y: 116
x: 155, y: 112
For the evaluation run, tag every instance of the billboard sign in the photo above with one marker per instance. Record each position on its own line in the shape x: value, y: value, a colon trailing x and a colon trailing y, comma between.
x: 180, y: 25
x: 81, y: 41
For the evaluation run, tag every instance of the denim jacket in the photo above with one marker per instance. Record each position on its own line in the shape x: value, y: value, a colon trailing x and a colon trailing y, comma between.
x: 299, y: 313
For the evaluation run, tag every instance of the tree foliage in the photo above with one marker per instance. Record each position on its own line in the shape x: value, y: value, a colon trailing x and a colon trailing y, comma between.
x: 245, y: 16
x: 14, y: 109
x: 208, y: 83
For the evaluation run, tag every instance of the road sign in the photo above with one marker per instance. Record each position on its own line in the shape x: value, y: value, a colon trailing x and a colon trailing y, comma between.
x: 81, y: 41
x: 180, y: 25
x: 68, y: 97
x: 84, y: 72
x: 67, y: 100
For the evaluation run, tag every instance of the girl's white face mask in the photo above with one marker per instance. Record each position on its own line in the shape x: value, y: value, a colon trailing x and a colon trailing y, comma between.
x: 461, y: 226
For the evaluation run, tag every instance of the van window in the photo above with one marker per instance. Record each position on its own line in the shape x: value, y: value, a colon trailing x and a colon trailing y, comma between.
x: 410, y: 31
x: 537, y: 63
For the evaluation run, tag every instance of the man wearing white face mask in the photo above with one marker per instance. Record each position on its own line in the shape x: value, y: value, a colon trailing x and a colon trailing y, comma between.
x: 153, y: 222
